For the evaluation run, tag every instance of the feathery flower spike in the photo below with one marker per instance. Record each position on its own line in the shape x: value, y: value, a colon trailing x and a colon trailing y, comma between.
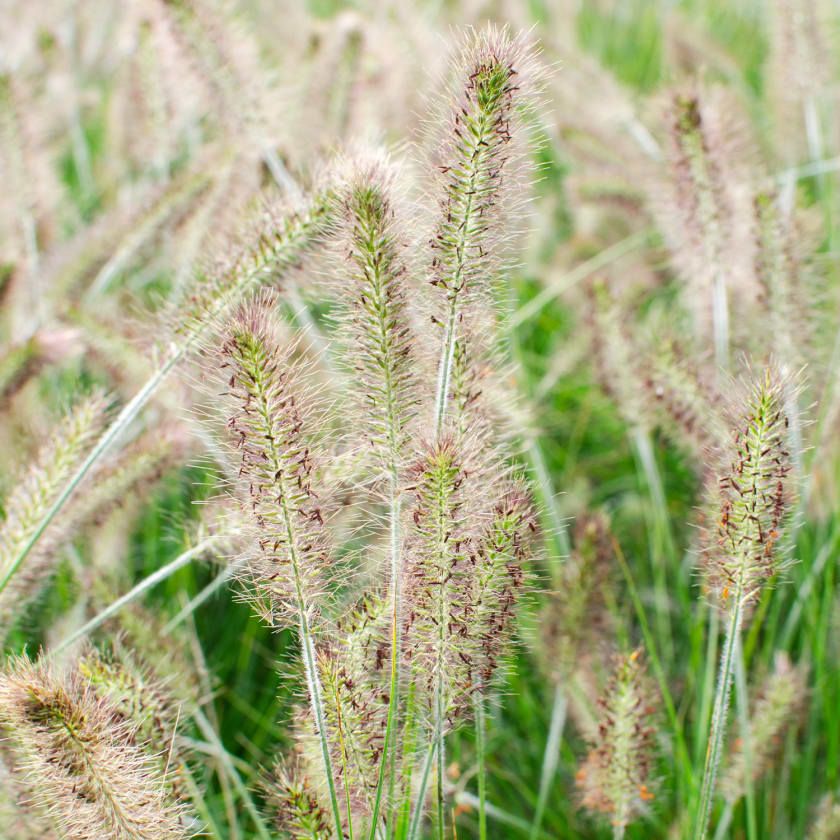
x: 86, y: 769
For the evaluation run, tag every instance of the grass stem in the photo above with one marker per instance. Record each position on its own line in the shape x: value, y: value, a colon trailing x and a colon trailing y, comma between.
x: 717, y: 728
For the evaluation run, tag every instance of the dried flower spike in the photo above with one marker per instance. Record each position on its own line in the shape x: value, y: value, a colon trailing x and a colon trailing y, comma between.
x: 616, y: 355
x: 615, y: 777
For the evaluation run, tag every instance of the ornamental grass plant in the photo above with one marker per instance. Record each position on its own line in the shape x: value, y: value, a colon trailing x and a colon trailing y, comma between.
x: 418, y: 420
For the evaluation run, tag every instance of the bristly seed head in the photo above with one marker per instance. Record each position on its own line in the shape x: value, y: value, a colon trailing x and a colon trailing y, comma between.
x: 494, y: 87
x: 463, y: 577
x: 299, y: 812
x: 753, y: 496
x: 87, y: 769
x: 286, y: 576
x: 615, y: 777
x: 702, y: 206
x: 382, y: 344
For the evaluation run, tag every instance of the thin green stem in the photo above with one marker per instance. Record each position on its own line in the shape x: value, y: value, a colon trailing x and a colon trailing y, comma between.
x: 389, y: 750
x: 445, y: 371
x: 417, y: 817
x: 551, y: 758
x: 720, y: 314
x: 725, y: 821
x: 230, y: 771
x: 708, y: 692
x: 501, y: 816
x: 717, y: 729
x: 314, y: 685
x: 663, y: 544
x: 407, y: 770
x: 306, y: 638
x: 344, y: 766
x: 742, y: 705
x: 439, y: 706
x: 140, y: 589
x: 480, y: 735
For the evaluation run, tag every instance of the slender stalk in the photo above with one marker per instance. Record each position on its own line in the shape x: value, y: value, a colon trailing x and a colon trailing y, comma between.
x: 344, y: 766
x: 141, y: 588
x: 445, y: 370
x: 482, y: 774
x: 717, y: 729
x: 745, y: 726
x: 389, y: 750
x: 501, y: 816
x: 707, y: 695
x: 230, y: 771
x: 307, y: 642
x: 577, y: 275
x: 439, y: 715
x: 647, y: 458
x: 417, y: 818
x: 200, y: 598
x: 551, y: 758
x: 724, y: 822
x: 407, y: 752
x: 317, y: 703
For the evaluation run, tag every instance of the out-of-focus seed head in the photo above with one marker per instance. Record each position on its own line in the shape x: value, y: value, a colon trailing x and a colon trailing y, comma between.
x: 34, y: 493
x: 616, y: 354
x: 703, y: 207
x: 689, y: 404
x: 615, y: 778
x: 81, y: 759
x: 575, y: 618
